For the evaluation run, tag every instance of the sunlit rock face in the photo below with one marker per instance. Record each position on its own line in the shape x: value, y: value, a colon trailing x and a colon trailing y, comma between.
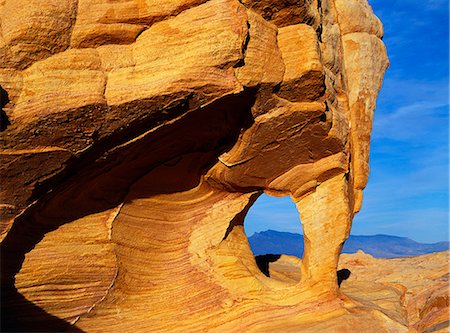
x: 135, y: 136
x: 421, y: 284
x: 411, y: 290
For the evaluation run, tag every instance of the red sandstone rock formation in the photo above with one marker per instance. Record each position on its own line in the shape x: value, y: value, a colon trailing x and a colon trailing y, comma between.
x: 140, y: 132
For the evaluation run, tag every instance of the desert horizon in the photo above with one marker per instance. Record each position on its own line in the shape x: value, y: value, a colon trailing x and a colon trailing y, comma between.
x: 380, y: 246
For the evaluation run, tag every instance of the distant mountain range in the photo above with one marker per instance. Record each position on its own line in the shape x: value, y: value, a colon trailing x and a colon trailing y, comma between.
x: 379, y: 246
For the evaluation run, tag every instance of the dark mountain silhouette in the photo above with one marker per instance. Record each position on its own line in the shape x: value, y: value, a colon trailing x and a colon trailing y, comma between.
x: 379, y: 246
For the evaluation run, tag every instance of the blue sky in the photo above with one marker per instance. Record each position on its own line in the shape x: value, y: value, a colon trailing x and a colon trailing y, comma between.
x: 407, y: 194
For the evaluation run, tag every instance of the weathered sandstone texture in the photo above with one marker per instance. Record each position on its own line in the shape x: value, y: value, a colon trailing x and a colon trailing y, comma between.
x: 412, y: 291
x: 135, y: 136
x: 423, y: 284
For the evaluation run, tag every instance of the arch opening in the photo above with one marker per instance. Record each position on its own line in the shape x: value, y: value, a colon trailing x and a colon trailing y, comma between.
x: 275, y: 236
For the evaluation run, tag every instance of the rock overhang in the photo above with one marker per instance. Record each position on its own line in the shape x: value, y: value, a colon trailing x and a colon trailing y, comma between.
x: 154, y: 129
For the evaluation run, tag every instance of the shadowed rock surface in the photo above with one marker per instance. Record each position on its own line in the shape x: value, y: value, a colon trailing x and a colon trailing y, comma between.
x: 140, y: 133
x: 342, y: 275
x: 263, y: 262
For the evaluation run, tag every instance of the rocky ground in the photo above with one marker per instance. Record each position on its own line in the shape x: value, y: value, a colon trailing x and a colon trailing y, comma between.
x: 413, y: 291
x: 137, y: 135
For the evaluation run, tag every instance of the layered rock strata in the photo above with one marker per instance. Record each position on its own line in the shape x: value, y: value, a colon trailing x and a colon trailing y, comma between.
x: 412, y: 291
x: 421, y: 283
x: 136, y: 135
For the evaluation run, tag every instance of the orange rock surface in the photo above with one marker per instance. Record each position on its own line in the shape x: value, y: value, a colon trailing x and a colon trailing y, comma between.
x: 135, y: 136
x: 422, y: 283
x: 412, y: 291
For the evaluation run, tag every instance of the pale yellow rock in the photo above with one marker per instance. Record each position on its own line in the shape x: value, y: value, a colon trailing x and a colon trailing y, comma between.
x: 403, y: 294
x: 423, y: 281
x: 363, y: 49
x: 357, y: 16
x: 318, y: 210
x: 361, y: 53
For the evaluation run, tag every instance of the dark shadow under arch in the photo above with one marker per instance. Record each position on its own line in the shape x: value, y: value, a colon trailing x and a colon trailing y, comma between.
x: 208, y: 131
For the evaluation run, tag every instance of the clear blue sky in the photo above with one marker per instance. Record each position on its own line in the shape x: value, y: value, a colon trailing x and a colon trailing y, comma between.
x: 407, y: 194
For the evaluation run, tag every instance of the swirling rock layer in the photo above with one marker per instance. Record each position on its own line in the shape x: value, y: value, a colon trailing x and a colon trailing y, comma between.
x: 412, y: 291
x: 135, y: 136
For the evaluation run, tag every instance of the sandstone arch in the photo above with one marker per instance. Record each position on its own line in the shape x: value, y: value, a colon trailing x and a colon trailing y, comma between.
x: 138, y: 141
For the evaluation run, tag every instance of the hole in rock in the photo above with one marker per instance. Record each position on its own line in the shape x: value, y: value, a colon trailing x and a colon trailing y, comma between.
x: 342, y: 275
x: 4, y: 120
x: 274, y: 232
